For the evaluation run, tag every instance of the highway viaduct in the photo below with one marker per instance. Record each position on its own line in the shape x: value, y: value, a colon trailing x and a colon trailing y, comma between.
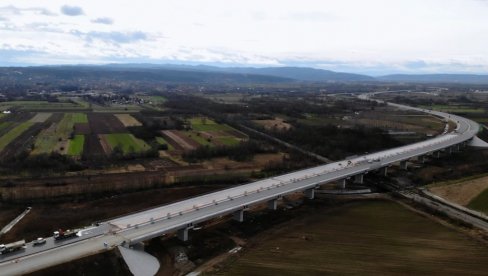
x: 182, y: 216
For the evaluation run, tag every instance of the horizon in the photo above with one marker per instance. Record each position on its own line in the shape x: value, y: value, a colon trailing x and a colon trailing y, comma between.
x: 228, y: 66
x: 375, y: 38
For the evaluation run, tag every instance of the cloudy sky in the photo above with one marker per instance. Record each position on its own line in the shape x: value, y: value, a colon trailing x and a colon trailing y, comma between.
x: 373, y: 36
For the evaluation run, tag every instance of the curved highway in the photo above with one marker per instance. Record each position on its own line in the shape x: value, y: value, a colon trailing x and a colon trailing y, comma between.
x: 183, y: 215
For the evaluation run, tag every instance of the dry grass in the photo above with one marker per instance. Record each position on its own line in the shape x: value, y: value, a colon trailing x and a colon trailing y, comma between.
x: 40, y: 117
x: 368, y: 238
x: 277, y: 123
x: 127, y: 120
x: 461, y: 192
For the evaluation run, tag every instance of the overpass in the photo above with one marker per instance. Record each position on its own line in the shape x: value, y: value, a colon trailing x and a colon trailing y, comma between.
x: 182, y: 216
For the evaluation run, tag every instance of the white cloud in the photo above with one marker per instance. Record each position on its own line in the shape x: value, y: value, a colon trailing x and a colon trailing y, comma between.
x: 103, y: 20
x: 72, y: 10
x: 441, y: 35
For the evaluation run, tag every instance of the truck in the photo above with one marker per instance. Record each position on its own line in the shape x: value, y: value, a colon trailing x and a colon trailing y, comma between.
x: 11, y: 247
x: 65, y: 234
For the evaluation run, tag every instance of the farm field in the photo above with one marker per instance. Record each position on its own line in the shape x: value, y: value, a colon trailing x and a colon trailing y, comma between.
x: 127, y: 120
x: 455, y: 108
x: 40, y: 117
x: 54, y: 138
x: 196, y: 136
x: 179, y: 140
x: 162, y: 141
x: 14, y: 133
x: 228, y: 141
x: 461, y: 191
x: 116, y: 108
x: 155, y: 100
x: 76, y: 145
x: 205, y: 124
x: 105, y: 123
x: 480, y: 202
x: 364, y: 238
x: 41, y: 105
x: 127, y: 142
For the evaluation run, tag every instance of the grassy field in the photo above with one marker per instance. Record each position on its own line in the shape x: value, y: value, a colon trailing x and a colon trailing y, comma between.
x: 116, y: 108
x: 199, y: 139
x: 49, y: 139
x: 154, y: 99
x: 205, y: 124
x: 14, y: 133
x: 162, y: 141
x: 127, y: 142
x: 365, y: 238
x: 480, y: 202
x: 228, y: 141
x: 40, y: 117
x: 41, y: 105
x: 76, y: 145
x: 4, y: 125
x: 455, y: 108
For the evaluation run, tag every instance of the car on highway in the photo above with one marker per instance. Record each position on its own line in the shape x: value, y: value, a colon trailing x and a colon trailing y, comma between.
x: 39, y: 241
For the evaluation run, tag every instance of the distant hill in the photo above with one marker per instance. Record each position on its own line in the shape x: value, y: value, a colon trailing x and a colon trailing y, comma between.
x: 304, y: 74
x: 204, y: 74
x: 436, y: 78
x: 111, y: 73
x: 296, y: 73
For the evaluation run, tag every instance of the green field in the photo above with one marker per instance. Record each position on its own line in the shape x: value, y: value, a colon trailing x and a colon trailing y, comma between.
x: 14, y: 133
x: 4, y: 125
x: 116, y: 108
x: 65, y: 126
x: 199, y: 139
x: 454, y: 108
x: 76, y: 145
x: 154, y: 99
x: 40, y: 105
x: 228, y: 141
x: 127, y: 142
x: 365, y: 238
x: 205, y: 124
x: 48, y: 139
x: 480, y: 202
x: 162, y: 141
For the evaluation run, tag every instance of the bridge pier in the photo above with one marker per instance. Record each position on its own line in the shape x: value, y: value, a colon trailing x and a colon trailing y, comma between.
x: 183, y: 234
x: 404, y: 165
x: 239, y: 215
x: 436, y: 154
x: 273, y: 204
x: 359, y: 178
x: 310, y: 193
x: 384, y: 171
x: 421, y: 158
x: 341, y: 184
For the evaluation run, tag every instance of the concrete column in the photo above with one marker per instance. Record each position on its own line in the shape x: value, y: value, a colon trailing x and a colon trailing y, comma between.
x: 449, y: 150
x: 403, y: 165
x: 310, y: 193
x: 341, y: 184
x: 359, y: 178
x: 239, y: 215
x: 384, y: 171
x: 183, y: 234
x: 437, y: 154
x: 421, y: 158
x: 458, y: 147
x: 273, y: 204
